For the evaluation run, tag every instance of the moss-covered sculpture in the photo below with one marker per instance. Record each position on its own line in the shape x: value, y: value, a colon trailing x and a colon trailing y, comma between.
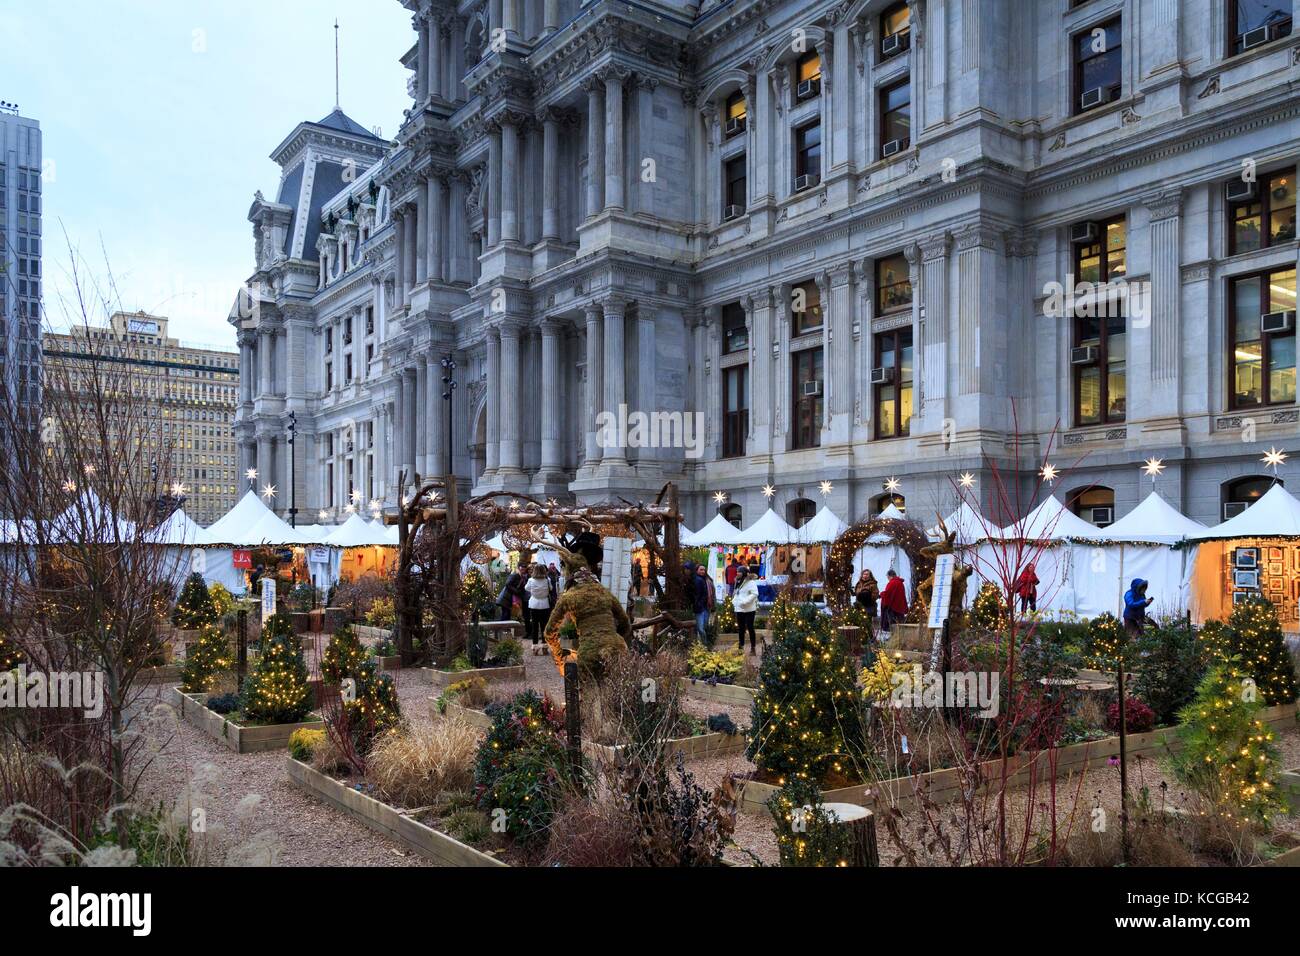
x: 602, y: 624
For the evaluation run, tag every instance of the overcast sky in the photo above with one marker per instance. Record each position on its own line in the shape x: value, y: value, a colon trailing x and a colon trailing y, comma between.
x: 158, y: 117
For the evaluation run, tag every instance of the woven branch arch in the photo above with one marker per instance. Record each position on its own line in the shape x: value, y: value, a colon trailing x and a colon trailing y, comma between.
x: 909, y: 536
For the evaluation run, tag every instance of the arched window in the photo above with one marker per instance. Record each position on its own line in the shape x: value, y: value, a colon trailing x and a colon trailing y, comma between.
x: 1095, y: 503
x: 799, y: 512
x: 732, y: 513
x: 1240, y: 493
x: 881, y: 502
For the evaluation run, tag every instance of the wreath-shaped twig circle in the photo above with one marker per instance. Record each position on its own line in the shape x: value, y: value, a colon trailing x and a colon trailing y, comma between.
x: 907, y: 535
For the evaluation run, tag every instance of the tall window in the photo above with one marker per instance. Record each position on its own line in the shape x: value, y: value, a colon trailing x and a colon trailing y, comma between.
x: 807, y: 403
x: 893, y: 396
x: 1098, y: 60
x: 895, y: 118
x: 1099, y: 381
x: 893, y: 285
x: 735, y: 335
x: 737, y: 114
x: 896, y: 22
x: 735, y: 186
x: 1263, y: 362
x: 799, y: 512
x: 1267, y: 217
x: 806, y: 306
x: 1252, y: 22
x: 735, y: 410
x: 808, y: 153
x: 808, y: 75
x: 1105, y: 257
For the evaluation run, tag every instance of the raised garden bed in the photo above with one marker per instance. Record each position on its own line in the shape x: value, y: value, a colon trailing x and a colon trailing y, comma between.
x: 493, y: 675
x: 241, y: 739
x: 393, y: 663
x: 945, y: 786
x: 367, y: 633
x: 1288, y: 783
x: 700, y: 689
x: 163, y: 674
x: 429, y: 843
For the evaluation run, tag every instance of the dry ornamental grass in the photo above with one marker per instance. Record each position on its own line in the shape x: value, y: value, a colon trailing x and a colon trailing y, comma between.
x: 414, y: 766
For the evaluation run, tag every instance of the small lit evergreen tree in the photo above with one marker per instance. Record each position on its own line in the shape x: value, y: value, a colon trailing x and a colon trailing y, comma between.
x: 806, y: 832
x: 989, y: 611
x: 11, y: 655
x: 206, y: 660
x: 277, y: 691
x: 343, y: 656
x: 1107, y: 642
x: 374, y: 708
x: 194, y: 608
x: 1253, y: 636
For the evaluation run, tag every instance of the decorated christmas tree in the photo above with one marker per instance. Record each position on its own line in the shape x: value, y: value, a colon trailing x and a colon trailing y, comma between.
x: 277, y: 692
x: 194, y: 609
x: 806, y: 832
x: 206, y: 660
x: 808, y: 720
x: 1107, y: 642
x: 343, y: 656
x: 1229, y: 755
x: 373, y: 707
x: 10, y: 655
x: 989, y: 611
x: 1253, y: 637
x: 277, y: 625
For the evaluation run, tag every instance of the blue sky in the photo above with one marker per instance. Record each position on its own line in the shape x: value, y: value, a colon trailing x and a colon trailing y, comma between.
x: 157, y: 119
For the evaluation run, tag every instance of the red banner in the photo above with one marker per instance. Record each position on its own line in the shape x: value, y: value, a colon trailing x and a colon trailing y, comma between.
x: 243, y: 559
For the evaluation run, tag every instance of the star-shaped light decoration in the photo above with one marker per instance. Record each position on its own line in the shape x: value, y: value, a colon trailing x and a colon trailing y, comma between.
x: 268, y: 492
x: 514, y: 506
x: 552, y: 503
x: 69, y: 486
x: 967, y: 481
x: 350, y: 508
x: 720, y: 498
x: 1274, y: 458
x: 179, y: 489
x: 251, y: 474
x: 768, y: 492
x: 89, y: 470
x: 1152, y: 468
x: 825, y: 488
x: 892, y: 484
x: 436, y: 497
x: 376, y: 505
x: 1048, y: 472
x: 322, y: 514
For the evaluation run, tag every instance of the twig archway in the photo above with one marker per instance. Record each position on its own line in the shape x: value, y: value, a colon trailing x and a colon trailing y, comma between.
x: 839, y: 568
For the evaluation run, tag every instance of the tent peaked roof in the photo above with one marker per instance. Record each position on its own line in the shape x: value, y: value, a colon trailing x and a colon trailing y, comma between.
x: 90, y: 514
x: 717, y: 531
x: 770, y: 528
x: 180, y: 529
x: 1153, y: 521
x: 1275, y: 515
x: 966, y: 521
x: 891, y: 511
x: 822, y: 528
x: 246, y: 513
x: 251, y: 523
x: 356, y: 533
x: 1050, y: 521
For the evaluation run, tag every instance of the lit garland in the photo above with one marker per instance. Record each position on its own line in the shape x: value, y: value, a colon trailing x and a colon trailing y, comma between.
x: 907, y: 535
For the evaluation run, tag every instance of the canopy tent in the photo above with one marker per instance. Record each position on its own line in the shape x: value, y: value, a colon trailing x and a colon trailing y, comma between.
x: 1254, y: 553
x: 1153, y: 521
x: 251, y: 524
x: 822, y: 528
x: 356, y: 532
x: 1050, y: 522
x: 316, y: 532
x: 718, y: 531
x: 353, y: 549
x: 770, y: 528
x: 90, y: 514
x: 188, y: 548
x: 967, y: 522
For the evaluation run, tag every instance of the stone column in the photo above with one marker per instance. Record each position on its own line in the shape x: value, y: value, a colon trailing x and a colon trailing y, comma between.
x: 934, y: 289
x: 645, y: 145
x: 399, y: 260
x: 647, y: 374
x: 839, y: 355
x: 760, y: 308
x: 422, y: 233
x: 265, y: 378
x: 595, y: 377
x: 409, y: 423
x: 435, y: 60
x: 615, y: 385
x: 511, y: 447
x: 762, y: 120
x: 437, y: 231
x: 457, y: 235
x: 421, y: 403
x: 493, y: 401
x: 552, y: 444
x: 1157, y: 316
x: 595, y: 146
x: 614, y: 138
x: 397, y: 426
x: 494, y: 187
x: 866, y: 340
x: 550, y: 16
x: 509, y: 179
x: 510, y: 17
x: 422, y: 73
x: 550, y: 175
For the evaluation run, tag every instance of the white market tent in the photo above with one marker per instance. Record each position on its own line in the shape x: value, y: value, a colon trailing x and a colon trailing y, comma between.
x: 881, y: 554
x: 970, y: 526
x: 822, y: 528
x: 355, y: 540
x: 718, y: 531
x: 251, y: 524
x: 190, y: 548
x: 770, y: 528
x: 356, y: 533
x: 90, y: 514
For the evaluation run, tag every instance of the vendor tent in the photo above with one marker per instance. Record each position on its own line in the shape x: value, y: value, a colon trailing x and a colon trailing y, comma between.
x: 717, y: 531
x: 1042, y: 537
x: 822, y: 528
x: 252, y: 524
x: 770, y: 528
x: 1275, y: 514
x: 356, y: 533
x: 90, y: 516
x: 970, y: 526
x: 189, y: 549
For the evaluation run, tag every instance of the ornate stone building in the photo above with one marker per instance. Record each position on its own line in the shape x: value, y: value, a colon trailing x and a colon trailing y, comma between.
x: 833, y: 229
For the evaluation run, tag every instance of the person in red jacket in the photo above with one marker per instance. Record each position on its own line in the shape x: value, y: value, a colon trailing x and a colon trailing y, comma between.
x: 1027, y: 588
x: 893, y: 601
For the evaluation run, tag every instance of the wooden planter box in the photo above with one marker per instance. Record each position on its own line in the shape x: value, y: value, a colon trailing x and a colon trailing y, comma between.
x: 393, y: 663
x: 429, y: 843
x: 910, y: 637
x: 242, y: 740
x: 166, y: 674
x: 1290, y: 858
x: 718, y: 693
x: 493, y: 675
x: 316, y: 621
x: 1289, y: 784
x: 301, y: 621
x: 475, y: 718
x: 945, y: 786
x: 691, y: 748
x: 367, y: 633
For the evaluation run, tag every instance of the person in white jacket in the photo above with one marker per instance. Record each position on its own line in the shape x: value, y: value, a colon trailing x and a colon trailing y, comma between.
x: 744, y: 602
x: 538, y: 589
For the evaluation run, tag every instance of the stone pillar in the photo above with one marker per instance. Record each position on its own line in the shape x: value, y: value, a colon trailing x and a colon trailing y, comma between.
x: 615, y: 385
x: 399, y: 259
x: 511, y: 447
x: 422, y: 73
x: 435, y: 417
x: 437, y: 231
x: 397, y: 425
x: 457, y: 235
x: 647, y: 375
x: 614, y: 139
x: 265, y: 475
x: 760, y: 308
x: 422, y: 231
x: 494, y: 187
x: 934, y: 337
x: 550, y: 176
x: 420, y: 403
x: 839, y: 355
x: 552, y: 443
x: 595, y: 378
x: 595, y: 146
x: 550, y: 16
x: 265, y: 348
x: 510, y: 17
x: 493, y: 401
x: 408, y: 422
x: 866, y: 340
x: 1157, y: 316
x: 435, y: 59
x: 509, y: 179
x: 645, y: 144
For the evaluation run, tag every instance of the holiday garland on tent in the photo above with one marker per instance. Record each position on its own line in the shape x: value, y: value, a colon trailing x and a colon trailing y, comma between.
x: 194, y: 608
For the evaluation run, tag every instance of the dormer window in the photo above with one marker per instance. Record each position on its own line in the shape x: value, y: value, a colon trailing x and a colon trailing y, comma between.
x: 737, y: 114
x: 808, y: 75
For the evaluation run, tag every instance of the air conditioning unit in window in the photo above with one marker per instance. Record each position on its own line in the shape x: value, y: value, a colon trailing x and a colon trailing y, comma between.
x: 736, y: 125
x: 1254, y: 37
x: 882, y: 376
x: 1277, y: 321
x: 1082, y: 232
x: 809, y: 88
x: 731, y: 212
x: 1095, y: 97
x: 807, y: 181
x: 1102, y: 516
x: 1239, y: 191
x: 1083, y: 355
x: 895, y: 43
x: 1233, y: 508
x: 812, y: 388
x: 894, y: 146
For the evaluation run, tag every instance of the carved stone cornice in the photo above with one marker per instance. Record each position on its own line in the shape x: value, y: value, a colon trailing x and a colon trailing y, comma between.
x: 1165, y: 204
x: 979, y: 236
x: 935, y: 246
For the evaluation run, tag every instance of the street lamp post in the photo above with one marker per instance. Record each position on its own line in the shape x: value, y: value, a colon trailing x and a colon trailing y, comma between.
x: 293, y: 484
x: 449, y: 389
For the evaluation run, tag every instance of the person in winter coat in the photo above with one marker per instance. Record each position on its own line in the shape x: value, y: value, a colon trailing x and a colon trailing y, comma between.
x: 733, y: 569
x: 553, y: 575
x: 745, y: 603
x: 538, y: 588
x: 1136, y: 603
x: 865, y: 595
x: 700, y: 597
x: 1027, y: 588
x: 893, y: 601
x: 512, y: 591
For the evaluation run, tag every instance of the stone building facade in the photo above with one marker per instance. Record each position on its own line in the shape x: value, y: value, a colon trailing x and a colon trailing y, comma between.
x: 834, y: 230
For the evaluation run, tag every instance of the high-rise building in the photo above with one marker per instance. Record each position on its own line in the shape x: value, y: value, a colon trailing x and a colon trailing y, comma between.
x: 20, y: 260
x: 191, y: 394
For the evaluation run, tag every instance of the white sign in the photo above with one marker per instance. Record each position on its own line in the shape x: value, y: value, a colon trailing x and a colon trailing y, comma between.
x: 320, y: 555
x: 268, y: 597
x: 941, y: 596
x: 140, y: 325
